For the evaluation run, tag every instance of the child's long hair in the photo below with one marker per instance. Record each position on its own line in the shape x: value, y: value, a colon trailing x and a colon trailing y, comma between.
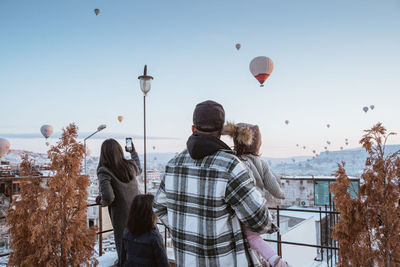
x: 141, y: 217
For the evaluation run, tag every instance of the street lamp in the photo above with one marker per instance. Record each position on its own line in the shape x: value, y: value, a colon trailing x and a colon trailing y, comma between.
x: 145, y: 86
x: 100, y: 128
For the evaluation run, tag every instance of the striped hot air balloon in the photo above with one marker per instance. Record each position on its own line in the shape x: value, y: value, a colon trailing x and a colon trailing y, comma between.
x: 261, y: 68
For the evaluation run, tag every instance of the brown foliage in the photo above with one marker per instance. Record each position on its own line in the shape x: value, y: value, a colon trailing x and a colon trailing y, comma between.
x: 368, y: 229
x: 48, y: 225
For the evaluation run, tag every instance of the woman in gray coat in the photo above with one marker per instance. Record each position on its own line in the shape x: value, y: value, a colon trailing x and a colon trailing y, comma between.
x: 117, y: 184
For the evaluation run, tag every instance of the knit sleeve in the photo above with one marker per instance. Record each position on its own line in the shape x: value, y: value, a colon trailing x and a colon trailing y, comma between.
x: 270, y: 181
x: 106, y: 189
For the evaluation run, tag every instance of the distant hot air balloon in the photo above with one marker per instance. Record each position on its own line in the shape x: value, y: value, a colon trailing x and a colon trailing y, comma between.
x: 47, y: 143
x: 286, y: 122
x: 120, y: 118
x: 341, y: 148
x: 154, y: 148
x: 4, y: 146
x: 304, y: 147
x: 47, y: 130
x: 297, y: 144
x: 328, y: 142
x: 365, y: 109
x: 325, y: 147
x: 346, y: 139
x: 328, y: 125
x: 313, y: 151
x: 372, y: 107
x: 261, y: 68
x: 347, y: 143
x: 238, y: 46
x: 96, y: 11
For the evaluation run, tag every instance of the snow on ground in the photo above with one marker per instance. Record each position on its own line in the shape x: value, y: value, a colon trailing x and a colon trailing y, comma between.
x: 107, y: 259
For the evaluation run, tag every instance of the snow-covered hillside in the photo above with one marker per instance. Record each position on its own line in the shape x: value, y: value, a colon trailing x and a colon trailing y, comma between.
x: 326, y: 162
x: 323, y: 164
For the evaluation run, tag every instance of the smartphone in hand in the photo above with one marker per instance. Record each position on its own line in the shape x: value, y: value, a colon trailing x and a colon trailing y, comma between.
x: 129, y: 144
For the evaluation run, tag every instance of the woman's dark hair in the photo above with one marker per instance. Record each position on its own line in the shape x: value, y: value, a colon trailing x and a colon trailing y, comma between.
x: 112, y: 157
x: 141, y: 217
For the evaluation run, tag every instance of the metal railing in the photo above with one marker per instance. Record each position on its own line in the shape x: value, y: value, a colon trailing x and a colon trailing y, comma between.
x: 327, y: 247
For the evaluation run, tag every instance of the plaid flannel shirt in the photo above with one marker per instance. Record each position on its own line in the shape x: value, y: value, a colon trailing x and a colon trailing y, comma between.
x: 203, y: 202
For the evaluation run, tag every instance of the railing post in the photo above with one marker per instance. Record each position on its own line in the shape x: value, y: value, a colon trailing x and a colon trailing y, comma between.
x: 100, y: 230
x: 321, y: 251
x: 279, y: 232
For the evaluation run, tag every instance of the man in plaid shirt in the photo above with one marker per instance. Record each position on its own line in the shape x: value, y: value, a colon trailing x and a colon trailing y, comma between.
x: 205, y: 194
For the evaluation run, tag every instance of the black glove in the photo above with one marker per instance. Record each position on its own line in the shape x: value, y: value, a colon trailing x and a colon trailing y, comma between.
x: 98, y: 199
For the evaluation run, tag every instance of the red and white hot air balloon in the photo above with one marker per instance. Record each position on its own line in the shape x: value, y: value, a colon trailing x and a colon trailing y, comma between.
x: 261, y: 68
x: 4, y: 146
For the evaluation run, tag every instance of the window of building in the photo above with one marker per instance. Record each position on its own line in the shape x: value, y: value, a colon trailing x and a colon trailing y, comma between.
x: 321, y: 192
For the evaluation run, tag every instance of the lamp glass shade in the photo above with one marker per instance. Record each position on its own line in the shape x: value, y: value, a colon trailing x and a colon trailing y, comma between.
x: 101, y: 127
x: 145, y: 84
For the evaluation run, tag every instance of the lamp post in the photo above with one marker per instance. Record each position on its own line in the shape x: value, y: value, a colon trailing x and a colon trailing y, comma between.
x: 145, y: 86
x: 100, y: 128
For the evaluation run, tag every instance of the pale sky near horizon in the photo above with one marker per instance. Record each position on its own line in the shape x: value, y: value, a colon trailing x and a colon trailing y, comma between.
x: 59, y: 63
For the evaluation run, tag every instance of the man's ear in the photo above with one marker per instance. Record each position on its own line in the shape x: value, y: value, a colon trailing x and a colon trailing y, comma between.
x: 194, y: 130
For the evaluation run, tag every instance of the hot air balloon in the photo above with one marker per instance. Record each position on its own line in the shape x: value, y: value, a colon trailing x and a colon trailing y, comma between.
x: 238, y: 46
x: 325, y: 147
x: 47, y: 143
x: 347, y: 143
x: 96, y: 11
x: 286, y: 122
x: 261, y: 68
x: 154, y: 148
x: 297, y: 144
x: 346, y: 139
x: 365, y: 109
x: 341, y: 148
x: 328, y: 142
x: 304, y: 147
x: 120, y: 118
x: 47, y: 130
x: 4, y: 146
x: 328, y: 125
x: 313, y: 151
x: 372, y: 107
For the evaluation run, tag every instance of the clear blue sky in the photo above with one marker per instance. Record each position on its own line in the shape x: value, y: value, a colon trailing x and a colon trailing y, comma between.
x: 59, y: 63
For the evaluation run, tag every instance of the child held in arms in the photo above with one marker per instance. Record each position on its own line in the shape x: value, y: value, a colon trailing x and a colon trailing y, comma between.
x: 142, y: 244
x: 247, y: 143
